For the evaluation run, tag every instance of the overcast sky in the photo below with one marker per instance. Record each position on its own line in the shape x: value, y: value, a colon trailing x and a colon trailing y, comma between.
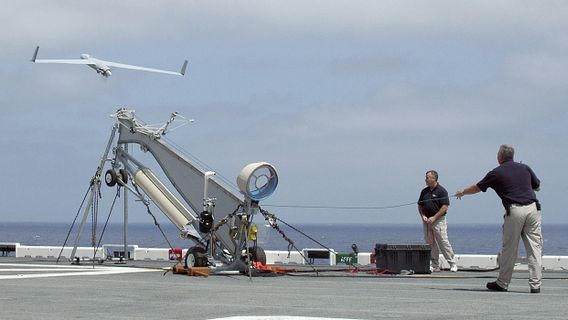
x: 351, y: 101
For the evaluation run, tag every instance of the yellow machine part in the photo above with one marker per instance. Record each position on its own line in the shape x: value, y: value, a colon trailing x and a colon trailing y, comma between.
x: 252, y: 232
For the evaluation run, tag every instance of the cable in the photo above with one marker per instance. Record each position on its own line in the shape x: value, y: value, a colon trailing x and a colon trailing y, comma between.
x: 271, y: 219
x: 156, y: 223
x: 73, y: 224
x: 106, y: 223
x: 354, y: 207
x: 228, y: 182
x: 304, y: 234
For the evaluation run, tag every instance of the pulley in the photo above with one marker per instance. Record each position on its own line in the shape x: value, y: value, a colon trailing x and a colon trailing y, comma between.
x: 205, y: 221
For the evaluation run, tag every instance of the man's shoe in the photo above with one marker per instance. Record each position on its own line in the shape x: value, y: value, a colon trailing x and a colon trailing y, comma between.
x: 454, y: 267
x: 493, y: 286
x: 434, y: 269
x: 535, y: 290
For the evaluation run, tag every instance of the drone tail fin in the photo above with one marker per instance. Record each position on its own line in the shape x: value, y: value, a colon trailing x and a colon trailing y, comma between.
x: 182, y: 72
x: 35, y: 54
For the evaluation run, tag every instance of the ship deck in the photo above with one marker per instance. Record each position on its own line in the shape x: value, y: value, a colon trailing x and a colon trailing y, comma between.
x: 34, y: 289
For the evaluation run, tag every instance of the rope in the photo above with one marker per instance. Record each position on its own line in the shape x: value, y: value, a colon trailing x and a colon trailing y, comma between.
x: 225, y: 219
x: 272, y: 222
x: 268, y: 216
x: 117, y: 195
x: 304, y: 234
x: 157, y: 224
x: 73, y: 224
x: 202, y: 163
x: 152, y: 130
x: 355, y: 207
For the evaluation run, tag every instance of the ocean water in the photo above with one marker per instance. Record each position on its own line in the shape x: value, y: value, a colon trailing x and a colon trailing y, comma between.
x: 465, y: 239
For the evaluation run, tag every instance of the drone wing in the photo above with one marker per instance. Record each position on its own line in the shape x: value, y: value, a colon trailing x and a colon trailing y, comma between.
x: 68, y: 61
x: 128, y: 66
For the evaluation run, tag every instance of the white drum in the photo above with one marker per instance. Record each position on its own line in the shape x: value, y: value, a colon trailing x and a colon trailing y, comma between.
x: 258, y: 181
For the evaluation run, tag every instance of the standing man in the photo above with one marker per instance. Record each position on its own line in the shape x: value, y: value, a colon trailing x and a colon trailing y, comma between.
x: 515, y: 183
x: 432, y: 206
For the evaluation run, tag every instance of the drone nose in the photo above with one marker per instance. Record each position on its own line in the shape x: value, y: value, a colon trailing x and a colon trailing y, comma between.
x: 107, y: 73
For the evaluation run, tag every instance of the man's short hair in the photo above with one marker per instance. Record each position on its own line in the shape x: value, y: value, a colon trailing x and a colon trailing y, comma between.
x: 506, y: 152
x: 433, y: 173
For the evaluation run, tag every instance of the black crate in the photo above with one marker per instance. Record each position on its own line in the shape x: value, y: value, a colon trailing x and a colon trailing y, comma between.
x: 396, y: 257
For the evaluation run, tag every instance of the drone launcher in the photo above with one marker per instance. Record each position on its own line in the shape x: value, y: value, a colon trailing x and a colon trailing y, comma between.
x: 199, y: 191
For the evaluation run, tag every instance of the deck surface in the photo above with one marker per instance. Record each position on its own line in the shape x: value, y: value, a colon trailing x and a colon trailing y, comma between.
x: 33, y: 289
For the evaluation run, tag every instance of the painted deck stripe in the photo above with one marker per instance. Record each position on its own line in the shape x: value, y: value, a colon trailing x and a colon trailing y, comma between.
x: 279, y: 318
x: 48, y: 271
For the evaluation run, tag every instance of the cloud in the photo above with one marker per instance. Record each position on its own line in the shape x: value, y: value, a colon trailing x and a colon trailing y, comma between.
x: 539, y: 70
x: 67, y: 21
x: 351, y: 100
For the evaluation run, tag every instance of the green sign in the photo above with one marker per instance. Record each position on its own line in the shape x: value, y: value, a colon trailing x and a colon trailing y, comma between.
x: 345, y: 258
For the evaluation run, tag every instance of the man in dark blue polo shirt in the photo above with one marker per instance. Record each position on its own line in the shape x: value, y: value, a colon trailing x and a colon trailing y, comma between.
x: 433, y: 205
x: 515, y: 183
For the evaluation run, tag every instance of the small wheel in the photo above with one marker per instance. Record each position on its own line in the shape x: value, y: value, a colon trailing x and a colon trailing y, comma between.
x: 257, y: 254
x: 123, y: 175
x: 110, y: 178
x: 196, y: 257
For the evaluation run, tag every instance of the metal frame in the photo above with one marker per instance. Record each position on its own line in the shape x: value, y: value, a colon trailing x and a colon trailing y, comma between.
x: 233, y: 212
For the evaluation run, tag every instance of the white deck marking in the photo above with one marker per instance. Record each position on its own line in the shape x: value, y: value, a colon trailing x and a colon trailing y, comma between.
x: 49, y: 265
x: 35, y: 269
x: 279, y: 318
x: 47, y: 271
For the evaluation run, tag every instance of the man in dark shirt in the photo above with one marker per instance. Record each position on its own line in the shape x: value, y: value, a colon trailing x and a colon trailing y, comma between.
x: 515, y: 183
x: 432, y: 206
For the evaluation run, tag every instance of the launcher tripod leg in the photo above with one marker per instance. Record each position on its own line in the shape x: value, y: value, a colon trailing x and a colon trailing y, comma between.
x: 95, y: 183
x: 85, y: 215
